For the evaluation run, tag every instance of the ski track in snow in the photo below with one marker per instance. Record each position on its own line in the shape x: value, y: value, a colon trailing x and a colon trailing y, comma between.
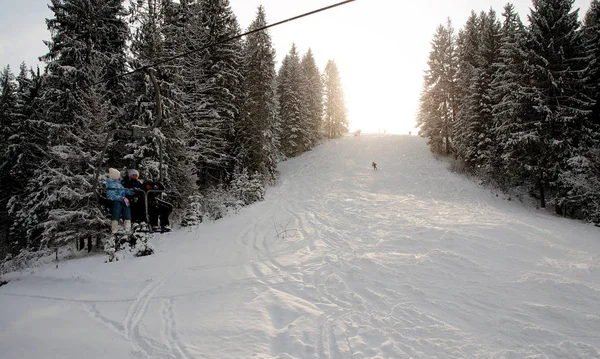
x: 174, y: 340
x: 134, y: 316
x: 340, y: 261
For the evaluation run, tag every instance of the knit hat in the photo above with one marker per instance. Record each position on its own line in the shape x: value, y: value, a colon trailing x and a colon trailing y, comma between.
x: 114, y: 174
x: 133, y: 172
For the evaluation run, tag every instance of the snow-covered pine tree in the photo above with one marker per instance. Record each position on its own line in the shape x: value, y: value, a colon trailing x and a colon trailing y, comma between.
x: 314, y: 96
x: 247, y: 188
x: 467, y: 49
x: 8, y: 106
x: 429, y: 118
x: 591, y: 31
x: 557, y: 124
x: 256, y: 131
x: 88, y: 45
x: 219, y: 88
x: 336, y: 113
x: 467, y: 56
x: 475, y: 137
x: 184, y: 32
x: 438, y: 103
x: 8, y: 123
x: 160, y: 29
x: 295, y: 136
x: 303, y: 88
x: 27, y: 146
x: 579, y: 179
x: 147, y: 17
x: 193, y: 213
x: 182, y: 85
x: 490, y: 54
x: 510, y: 109
x: 29, y: 83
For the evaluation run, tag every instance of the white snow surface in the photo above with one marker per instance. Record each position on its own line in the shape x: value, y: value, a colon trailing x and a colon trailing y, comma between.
x: 338, y: 261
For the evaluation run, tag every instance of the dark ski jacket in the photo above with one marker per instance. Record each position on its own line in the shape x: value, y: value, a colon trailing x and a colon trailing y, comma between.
x: 131, y: 183
x: 153, y: 196
x: 136, y: 185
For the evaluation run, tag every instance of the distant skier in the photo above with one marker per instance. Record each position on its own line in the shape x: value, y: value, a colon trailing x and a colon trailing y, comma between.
x: 374, y: 165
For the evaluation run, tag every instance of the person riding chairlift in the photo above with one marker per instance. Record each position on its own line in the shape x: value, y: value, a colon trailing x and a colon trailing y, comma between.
x: 116, y: 193
x: 136, y: 197
x: 158, y: 210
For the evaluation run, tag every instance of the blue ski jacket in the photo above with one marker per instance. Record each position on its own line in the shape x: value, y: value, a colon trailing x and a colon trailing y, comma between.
x: 115, y: 194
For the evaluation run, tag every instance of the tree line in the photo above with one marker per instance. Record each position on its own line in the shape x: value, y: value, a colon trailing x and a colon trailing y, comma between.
x: 519, y: 104
x: 228, y: 114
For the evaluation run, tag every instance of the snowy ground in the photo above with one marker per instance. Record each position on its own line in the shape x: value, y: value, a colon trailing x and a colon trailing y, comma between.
x: 410, y: 261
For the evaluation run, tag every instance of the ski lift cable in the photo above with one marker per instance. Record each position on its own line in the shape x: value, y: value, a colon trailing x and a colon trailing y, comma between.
x: 187, y: 53
x: 138, y: 131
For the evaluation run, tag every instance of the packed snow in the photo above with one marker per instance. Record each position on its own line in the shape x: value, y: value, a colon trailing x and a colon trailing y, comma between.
x: 338, y: 261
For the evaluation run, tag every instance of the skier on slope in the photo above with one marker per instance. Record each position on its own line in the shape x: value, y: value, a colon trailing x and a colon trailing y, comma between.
x: 115, y: 192
x: 374, y: 165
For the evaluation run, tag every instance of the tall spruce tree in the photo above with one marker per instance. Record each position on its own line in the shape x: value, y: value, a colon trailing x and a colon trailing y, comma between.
x: 467, y: 56
x: 160, y: 30
x: 467, y: 49
x: 511, y: 102
x: 557, y: 125
x: 8, y: 123
x: 591, y: 30
x: 490, y: 57
x: 184, y: 32
x: 314, y: 96
x: 256, y: 132
x: 295, y: 136
x: 220, y: 89
x: 27, y: 147
x: 580, y: 197
x: 438, y: 103
x: 87, y: 46
x: 336, y: 113
x: 8, y: 106
x: 475, y: 136
x: 147, y: 17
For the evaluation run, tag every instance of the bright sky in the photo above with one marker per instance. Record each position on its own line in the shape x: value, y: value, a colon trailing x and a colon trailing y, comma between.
x: 380, y: 46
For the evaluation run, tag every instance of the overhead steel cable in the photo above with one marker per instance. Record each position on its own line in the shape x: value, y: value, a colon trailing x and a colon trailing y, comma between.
x: 187, y: 53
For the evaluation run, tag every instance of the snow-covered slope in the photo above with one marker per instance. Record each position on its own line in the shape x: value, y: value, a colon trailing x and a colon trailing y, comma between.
x: 339, y: 261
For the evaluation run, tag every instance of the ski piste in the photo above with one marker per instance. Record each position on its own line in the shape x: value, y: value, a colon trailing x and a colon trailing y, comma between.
x: 338, y: 261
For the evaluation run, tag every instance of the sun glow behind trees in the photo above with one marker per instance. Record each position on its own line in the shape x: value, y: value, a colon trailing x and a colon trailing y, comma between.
x: 380, y: 47
x: 376, y: 65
